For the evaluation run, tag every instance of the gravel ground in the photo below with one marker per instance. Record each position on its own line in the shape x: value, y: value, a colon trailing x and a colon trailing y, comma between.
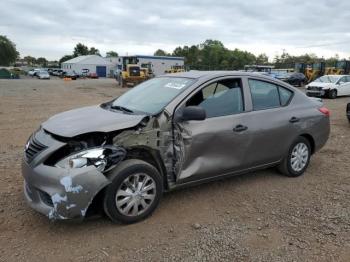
x: 260, y: 216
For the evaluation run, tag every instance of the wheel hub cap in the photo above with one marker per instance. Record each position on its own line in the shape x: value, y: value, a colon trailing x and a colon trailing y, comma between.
x: 135, y: 194
x: 299, y: 157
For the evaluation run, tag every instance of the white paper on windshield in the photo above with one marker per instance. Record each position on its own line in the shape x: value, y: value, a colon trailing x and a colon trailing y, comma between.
x: 175, y: 85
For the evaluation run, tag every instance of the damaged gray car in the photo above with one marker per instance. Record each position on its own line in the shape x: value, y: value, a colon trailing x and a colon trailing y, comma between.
x: 169, y: 132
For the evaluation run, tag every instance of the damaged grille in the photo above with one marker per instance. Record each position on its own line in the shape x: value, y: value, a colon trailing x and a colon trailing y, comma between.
x: 33, y: 148
x: 134, y: 71
x: 314, y: 88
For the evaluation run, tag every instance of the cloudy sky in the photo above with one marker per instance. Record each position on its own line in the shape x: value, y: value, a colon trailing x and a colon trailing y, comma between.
x: 52, y: 28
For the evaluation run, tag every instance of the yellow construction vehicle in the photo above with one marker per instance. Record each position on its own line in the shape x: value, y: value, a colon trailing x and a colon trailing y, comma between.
x: 342, y: 67
x: 146, y: 68
x: 175, y: 69
x: 129, y: 73
x: 312, y: 71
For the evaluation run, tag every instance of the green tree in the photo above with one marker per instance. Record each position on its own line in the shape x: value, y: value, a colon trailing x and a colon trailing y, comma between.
x: 160, y: 52
x: 111, y: 54
x: 80, y: 49
x: 30, y: 60
x: 332, y: 60
x: 94, y: 51
x: 8, y: 51
x: 213, y: 55
x: 42, y: 61
x: 65, y: 58
x: 262, y: 59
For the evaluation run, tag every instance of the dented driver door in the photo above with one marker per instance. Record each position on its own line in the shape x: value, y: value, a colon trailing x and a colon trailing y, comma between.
x: 217, y: 145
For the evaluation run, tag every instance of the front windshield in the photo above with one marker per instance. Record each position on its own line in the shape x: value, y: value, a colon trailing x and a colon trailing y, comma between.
x: 327, y: 79
x: 152, y: 96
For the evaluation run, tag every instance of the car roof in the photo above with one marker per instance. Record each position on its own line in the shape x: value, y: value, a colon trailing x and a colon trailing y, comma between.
x: 204, y: 75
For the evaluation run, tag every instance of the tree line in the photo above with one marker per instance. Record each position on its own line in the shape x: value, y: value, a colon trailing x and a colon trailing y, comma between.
x: 213, y: 55
x: 209, y: 55
x: 81, y: 49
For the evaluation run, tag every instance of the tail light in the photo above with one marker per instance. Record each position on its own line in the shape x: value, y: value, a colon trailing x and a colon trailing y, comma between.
x: 325, y: 111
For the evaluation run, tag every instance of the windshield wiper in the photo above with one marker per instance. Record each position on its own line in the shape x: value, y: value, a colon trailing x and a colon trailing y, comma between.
x: 122, y: 108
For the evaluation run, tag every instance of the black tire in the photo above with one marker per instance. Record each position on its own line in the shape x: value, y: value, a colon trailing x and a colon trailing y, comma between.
x: 332, y: 94
x: 124, y: 170
x: 285, y: 167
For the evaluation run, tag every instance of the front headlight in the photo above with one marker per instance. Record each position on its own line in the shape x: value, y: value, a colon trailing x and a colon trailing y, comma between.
x: 102, y: 158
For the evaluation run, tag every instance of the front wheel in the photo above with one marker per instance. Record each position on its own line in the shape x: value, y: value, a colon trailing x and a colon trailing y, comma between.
x: 332, y: 94
x: 298, y: 158
x: 134, y: 193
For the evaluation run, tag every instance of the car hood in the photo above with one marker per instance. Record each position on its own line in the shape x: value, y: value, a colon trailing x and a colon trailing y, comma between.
x: 320, y: 84
x: 89, y: 119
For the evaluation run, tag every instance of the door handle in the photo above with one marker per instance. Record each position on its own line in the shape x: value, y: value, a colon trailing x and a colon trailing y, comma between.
x: 240, y: 128
x: 294, y: 119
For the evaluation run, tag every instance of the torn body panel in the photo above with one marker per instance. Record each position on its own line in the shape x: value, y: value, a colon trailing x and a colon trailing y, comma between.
x: 154, y: 135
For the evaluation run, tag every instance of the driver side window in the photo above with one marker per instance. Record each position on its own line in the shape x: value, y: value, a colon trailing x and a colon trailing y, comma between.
x: 220, y: 98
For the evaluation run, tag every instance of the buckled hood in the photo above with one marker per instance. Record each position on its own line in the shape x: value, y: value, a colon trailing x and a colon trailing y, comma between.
x: 89, y: 119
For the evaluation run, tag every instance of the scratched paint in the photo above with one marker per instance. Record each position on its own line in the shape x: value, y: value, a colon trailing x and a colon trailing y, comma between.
x: 67, y: 183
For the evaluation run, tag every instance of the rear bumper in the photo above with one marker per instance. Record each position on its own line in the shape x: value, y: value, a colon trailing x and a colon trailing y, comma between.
x: 61, y: 193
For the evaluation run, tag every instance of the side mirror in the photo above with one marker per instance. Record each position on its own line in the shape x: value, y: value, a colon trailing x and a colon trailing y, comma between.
x: 190, y: 113
x: 341, y: 82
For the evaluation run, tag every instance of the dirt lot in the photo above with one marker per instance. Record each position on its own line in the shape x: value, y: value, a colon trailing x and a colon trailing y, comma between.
x: 260, y: 216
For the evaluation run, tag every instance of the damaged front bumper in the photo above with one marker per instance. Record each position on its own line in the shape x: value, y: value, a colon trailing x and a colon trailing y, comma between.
x: 61, y: 193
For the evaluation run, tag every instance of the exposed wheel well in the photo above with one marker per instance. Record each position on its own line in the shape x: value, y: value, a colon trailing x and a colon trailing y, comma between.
x: 150, y: 156
x: 311, y: 141
x: 144, y: 154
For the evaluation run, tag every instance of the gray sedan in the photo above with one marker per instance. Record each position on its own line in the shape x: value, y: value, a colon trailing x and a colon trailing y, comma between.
x: 169, y: 132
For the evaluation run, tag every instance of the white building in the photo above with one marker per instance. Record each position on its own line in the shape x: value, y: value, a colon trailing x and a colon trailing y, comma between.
x: 159, y: 63
x: 90, y: 64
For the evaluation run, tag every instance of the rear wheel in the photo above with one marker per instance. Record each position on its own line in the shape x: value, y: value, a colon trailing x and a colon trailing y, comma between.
x: 298, y: 158
x: 332, y: 94
x: 135, y: 191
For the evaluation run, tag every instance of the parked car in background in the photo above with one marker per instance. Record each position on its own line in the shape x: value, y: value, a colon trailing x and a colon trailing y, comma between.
x: 72, y: 75
x: 330, y: 86
x: 43, y: 74
x: 33, y: 72
x: 296, y: 79
x: 166, y: 133
x: 57, y: 72
x: 92, y: 75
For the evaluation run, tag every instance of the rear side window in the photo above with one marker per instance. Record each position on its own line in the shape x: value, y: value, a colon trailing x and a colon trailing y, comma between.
x: 220, y: 98
x: 285, y: 95
x: 267, y: 95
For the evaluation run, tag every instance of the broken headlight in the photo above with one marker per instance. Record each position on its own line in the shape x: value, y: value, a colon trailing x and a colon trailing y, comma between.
x: 103, y: 158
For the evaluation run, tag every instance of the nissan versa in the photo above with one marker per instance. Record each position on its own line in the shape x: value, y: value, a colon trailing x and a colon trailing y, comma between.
x: 168, y: 132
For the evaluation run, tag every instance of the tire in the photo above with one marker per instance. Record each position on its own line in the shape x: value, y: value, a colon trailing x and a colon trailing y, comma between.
x: 332, y: 94
x: 286, y: 168
x: 122, y: 201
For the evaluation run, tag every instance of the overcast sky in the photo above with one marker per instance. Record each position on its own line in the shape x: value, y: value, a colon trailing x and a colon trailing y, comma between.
x: 52, y: 28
